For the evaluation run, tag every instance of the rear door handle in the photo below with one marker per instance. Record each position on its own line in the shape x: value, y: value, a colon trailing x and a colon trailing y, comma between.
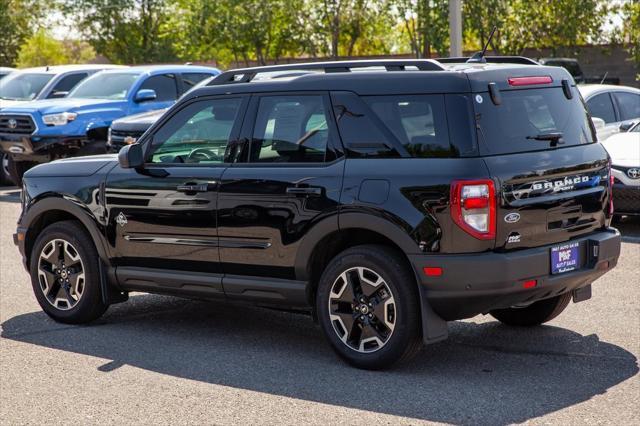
x: 294, y: 190
x: 202, y: 187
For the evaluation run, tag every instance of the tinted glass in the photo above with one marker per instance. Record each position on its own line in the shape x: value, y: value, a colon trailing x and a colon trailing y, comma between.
x: 107, y: 85
x: 68, y: 82
x: 600, y: 106
x: 23, y: 87
x: 190, y: 79
x: 198, y: 134
x: 418, y: 122
x: 164, y: 86
x: 629, y: 104
x: 290, y: 129
x: 527, y: 118
x: 361, y: 136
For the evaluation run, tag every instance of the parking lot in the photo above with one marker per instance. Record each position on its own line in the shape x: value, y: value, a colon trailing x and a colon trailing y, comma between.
x: 165, y: 360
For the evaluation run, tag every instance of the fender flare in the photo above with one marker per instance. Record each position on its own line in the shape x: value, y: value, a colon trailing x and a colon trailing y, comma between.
x: 88, y: 220
x: 346, y: 221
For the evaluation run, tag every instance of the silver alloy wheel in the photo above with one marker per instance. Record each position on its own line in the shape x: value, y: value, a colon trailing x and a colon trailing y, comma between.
x: 362, y: 309
x: 61, y: 274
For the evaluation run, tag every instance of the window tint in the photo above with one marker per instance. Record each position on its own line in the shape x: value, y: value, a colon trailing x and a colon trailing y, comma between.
x: 198, y: 134
x: 629, y: 104
x: 190, y: 79
x: 418, y: 122
x: 600, y: 106
x: 290, y: 129
x: 361, y: 136
x: 164, y: 86
x: 21, y: 86
x: 67, y: 83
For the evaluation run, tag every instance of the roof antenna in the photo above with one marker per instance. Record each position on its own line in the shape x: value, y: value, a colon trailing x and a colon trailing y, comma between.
x: 478, y: 57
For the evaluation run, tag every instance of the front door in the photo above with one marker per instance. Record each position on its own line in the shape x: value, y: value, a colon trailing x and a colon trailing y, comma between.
x: 163, y: 216
x: 289, y: 179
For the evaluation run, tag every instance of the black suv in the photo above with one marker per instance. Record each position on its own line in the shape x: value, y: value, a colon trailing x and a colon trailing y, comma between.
x: 385, y: 197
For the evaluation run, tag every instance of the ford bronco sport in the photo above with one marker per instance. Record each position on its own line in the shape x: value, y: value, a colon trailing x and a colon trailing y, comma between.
x: 386, y: 197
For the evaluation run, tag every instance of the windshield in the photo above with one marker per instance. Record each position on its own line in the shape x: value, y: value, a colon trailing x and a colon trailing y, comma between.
x: 23, y: 86
x: 108, y: 85
x: 531, y: 120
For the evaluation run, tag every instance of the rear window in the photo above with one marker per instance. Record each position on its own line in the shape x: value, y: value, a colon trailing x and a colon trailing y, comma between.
x: 531, y: 120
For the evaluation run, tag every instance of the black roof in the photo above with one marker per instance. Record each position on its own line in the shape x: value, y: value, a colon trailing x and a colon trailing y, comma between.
x: 380, y: 77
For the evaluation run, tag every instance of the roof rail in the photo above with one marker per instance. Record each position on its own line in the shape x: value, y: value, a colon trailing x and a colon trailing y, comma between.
x: 491, y: 59
x: 245, y: 75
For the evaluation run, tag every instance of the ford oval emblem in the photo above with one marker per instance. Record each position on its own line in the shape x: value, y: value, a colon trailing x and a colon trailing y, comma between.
x: 512, y: 217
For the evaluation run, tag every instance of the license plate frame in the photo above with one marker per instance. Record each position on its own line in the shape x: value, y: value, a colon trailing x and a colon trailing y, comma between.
x: 565, y: 258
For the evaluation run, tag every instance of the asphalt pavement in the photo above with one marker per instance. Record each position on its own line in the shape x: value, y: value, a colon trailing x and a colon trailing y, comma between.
x: 163, y: 360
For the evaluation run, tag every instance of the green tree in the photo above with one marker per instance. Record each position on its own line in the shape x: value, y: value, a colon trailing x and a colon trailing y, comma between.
x: 631, y: 29
x: 18, y: 19
x: 40, y: 50
x: 426, y: 24
x: 125, y: 31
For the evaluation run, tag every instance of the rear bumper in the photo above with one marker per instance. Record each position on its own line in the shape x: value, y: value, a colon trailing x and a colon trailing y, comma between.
x: 472, y: 284
x: 626, y: 199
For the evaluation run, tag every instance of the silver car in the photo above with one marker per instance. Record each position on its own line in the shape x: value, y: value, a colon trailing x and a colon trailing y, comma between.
x: 617, y: 106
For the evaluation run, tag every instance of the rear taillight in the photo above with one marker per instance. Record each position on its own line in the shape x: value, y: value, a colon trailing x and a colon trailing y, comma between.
x: 473, y: 207
x: 528, y: 81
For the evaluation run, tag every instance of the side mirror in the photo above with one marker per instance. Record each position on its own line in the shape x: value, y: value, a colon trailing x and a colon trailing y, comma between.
x: 58, y: 94
x: 145, y: 95
x: 598, y: 123
x: 624, y: 127
x: 131, y: 156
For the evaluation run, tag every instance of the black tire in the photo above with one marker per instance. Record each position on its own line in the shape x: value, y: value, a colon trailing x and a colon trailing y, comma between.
x: 90, y: 305
x: 17, y: 169
x: 405, y: 340
x: 535, y: 314
x: 4, y: 169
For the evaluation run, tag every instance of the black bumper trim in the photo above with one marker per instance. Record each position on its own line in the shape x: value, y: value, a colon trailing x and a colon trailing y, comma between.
x: 478, y: 283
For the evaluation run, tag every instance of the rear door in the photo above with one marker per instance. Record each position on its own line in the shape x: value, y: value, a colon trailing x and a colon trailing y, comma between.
x: 553, y: 177
x: 289, y: 179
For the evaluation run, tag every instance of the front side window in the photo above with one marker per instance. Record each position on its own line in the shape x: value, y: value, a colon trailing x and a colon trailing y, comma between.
x: 164, y: 85
x: 105, y: 85
x: 290, y: 129
x: 198, y: 134
x: 23, y: 86
x: 600, y: 106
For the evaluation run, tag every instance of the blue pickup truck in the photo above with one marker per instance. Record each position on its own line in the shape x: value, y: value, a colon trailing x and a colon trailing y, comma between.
x: 41, y: 131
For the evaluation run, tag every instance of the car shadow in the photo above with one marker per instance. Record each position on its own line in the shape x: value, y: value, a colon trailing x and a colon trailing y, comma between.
x: 629, y: 227
x: 9, y: 195
x: 484, y: 373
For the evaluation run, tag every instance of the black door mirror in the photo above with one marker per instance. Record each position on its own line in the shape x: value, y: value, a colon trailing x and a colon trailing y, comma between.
x: 624, y: 127
x: 131, y: 156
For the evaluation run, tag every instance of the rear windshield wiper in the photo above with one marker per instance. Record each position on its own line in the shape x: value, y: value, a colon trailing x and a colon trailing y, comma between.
x: 554, y: 137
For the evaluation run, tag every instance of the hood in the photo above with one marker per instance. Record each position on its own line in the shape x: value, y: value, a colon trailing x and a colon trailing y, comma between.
x: 72, y: 167
x: 138, y: 122
x: 53, y: 106
x: 624, y: 149
x: 5, y: 103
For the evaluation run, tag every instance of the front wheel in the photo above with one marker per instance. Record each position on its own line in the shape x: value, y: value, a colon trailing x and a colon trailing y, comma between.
x: 368, y: 307
x: 535, y: 314
x: 65, y: 274
x: 17, y: 169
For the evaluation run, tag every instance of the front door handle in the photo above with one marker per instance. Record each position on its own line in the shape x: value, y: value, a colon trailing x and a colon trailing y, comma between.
x: 193, y: 188
x: 295, y: 190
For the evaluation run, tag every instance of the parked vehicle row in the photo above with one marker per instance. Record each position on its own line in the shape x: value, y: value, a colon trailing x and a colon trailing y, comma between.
x: 40, y: 120
x: 624, y: 149
x: 386, y: 202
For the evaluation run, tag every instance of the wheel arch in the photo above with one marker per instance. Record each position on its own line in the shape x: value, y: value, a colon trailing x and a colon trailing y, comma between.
x: 56, y: 209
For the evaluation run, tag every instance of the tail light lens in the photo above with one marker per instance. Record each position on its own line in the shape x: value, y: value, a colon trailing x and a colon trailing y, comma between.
x: 473, y: 207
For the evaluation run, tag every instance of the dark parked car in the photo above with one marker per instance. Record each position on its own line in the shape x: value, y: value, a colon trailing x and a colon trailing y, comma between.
x: 384, y: 197
x: 127, y: 130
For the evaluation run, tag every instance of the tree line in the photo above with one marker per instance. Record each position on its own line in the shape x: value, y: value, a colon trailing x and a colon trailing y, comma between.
x: 263, y: 31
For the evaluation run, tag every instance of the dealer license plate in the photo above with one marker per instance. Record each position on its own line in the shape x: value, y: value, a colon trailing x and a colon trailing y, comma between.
x: 565, y: 258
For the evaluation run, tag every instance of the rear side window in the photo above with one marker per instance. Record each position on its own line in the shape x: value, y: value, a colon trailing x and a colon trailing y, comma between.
x: 164, y: 86
x: 418, y: 122
x: 528, y: 120
x: 67, y: 83
x: 600, y: 106
x: 290, y: 129
x: 629, y: 104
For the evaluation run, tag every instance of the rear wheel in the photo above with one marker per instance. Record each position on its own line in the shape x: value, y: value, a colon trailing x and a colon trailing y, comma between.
x: 368, y: 307
x: 65, y: 274
x: 535, y: 314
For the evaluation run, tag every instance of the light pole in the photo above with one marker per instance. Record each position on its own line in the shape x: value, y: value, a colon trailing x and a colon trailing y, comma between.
x: 455, y: 27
